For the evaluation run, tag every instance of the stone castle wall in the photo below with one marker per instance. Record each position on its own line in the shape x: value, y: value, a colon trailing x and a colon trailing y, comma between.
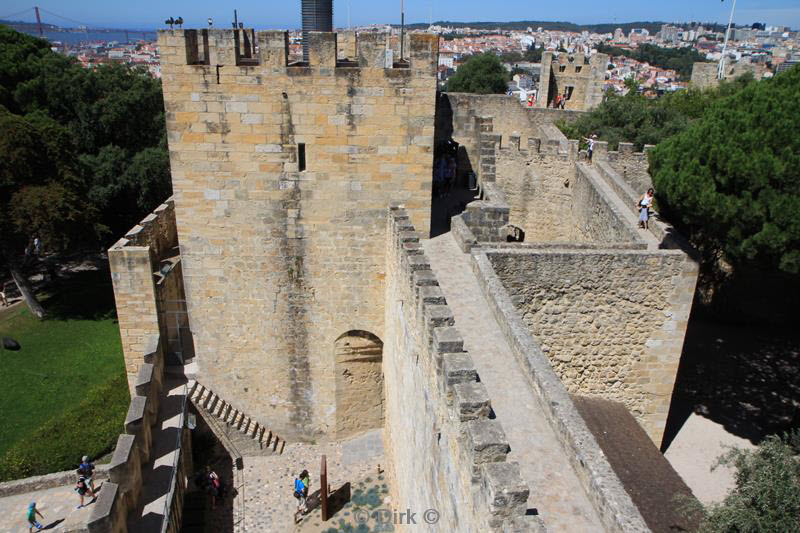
x: 704, y: 74
x: 632, y: 166
x: 444, y: 451
x: 610, y: 322
x: 139, y: 289
x: 594, y: 217
x: 278, y: 261
x: 456, y: 113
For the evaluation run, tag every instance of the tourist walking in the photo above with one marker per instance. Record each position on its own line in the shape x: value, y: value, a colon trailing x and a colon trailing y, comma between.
x: 301, y: 483
x: 81, y: 487
x: 645, y: 202
x: 86, y: 469
x: 592, y: 139
x: 213, y: 486
x: 32, y: 512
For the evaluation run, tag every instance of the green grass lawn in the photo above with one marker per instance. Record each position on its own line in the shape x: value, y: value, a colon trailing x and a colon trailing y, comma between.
x: 76, y: 350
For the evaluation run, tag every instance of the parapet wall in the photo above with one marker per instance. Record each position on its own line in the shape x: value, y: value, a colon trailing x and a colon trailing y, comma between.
x: 282, y: 176
x: 601, y: 484
x: 632, y: 166
x: 594, y: 216
x: 122, y: 494
x: 140, y: 285
x: 445, y: 452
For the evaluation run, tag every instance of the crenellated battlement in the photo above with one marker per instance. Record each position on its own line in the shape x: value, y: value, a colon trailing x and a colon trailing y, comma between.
x: 268, y: 50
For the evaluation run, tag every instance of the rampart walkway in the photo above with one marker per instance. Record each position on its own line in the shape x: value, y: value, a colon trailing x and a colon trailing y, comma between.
x: 555, y: 489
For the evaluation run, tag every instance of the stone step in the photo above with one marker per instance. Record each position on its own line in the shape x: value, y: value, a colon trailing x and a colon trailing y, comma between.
x: 209, y: 399
x: 197, y: 392
x: 212, y: 403
x: 215, y: 405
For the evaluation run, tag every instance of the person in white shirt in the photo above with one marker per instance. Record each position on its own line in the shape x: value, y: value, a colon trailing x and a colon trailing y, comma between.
x: 644, y: 204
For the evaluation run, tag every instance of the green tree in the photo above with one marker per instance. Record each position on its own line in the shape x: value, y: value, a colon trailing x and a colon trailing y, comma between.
x: 481, y: 74
x: 39, y: 195
x: 641, y: 120
x: 731, y: 180
x: 766, y: 497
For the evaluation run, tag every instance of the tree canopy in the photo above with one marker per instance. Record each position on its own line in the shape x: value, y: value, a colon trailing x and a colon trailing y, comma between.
x: 641, y: 120
x: 731, y: 179
x: 83, y: 153
x: 481, y: 74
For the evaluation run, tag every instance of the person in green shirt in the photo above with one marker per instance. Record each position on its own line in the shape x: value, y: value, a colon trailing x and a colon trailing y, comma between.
x: 32, y: 512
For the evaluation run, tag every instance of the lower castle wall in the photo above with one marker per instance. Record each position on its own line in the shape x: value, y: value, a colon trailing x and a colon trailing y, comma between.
x: 611, y: 323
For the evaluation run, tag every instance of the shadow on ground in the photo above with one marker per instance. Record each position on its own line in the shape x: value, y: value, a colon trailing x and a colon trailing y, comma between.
x: 85, y: 294
x: 746, y: 378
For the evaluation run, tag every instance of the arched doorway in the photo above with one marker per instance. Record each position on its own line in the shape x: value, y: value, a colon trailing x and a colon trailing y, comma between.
x: 359, y: 382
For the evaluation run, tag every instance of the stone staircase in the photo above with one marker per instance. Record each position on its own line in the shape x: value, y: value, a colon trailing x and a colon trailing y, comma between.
x: 213, y: 405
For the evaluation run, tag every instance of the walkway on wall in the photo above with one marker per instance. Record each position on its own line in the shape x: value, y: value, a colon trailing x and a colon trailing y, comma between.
x: 628, y: 215
x: 158, y: 473
x: 556, y: 491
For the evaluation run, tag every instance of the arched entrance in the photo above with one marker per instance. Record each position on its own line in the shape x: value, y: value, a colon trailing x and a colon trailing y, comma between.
x: 359, y: 382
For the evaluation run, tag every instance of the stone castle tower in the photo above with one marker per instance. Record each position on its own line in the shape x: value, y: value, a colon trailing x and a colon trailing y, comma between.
x: 282, y: 174
x: 576, y: 77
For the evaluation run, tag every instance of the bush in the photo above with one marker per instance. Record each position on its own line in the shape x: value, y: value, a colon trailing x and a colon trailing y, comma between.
x: 89, y: 428
x: 766, y: 497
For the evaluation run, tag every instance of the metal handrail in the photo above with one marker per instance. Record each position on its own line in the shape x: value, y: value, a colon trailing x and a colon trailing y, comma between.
x: 175, y: 465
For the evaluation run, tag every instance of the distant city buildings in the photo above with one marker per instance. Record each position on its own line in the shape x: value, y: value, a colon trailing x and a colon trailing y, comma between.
x: 760, y: 49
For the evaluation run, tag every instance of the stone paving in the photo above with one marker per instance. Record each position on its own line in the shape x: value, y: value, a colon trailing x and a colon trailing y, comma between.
x: 556, y: 491
x: 56, y: 504
x: 269, y: 480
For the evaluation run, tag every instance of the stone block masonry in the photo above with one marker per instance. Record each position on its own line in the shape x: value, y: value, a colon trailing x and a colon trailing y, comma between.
x: 282, y: 175
x: 611, y: 323
x: 444, y: 451
x: 140, y: 290
x: 576, y: 77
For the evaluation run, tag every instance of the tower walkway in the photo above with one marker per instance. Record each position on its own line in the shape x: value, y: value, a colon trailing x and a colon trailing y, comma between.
x: 556, y: 491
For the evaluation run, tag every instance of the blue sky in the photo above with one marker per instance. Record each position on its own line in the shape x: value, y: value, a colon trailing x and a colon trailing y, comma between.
x: 286, y: 14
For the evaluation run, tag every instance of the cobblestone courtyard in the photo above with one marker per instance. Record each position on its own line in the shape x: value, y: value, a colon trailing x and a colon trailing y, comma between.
x: 268, y: 482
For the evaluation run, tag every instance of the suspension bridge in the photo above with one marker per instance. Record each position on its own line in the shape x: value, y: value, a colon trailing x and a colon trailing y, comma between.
x: 46, y: 21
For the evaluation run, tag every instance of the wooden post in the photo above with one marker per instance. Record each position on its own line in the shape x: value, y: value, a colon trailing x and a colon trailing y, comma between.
x: 323, y: 486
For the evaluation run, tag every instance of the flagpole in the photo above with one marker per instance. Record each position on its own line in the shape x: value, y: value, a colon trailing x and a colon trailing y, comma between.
x: 721, y: 69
